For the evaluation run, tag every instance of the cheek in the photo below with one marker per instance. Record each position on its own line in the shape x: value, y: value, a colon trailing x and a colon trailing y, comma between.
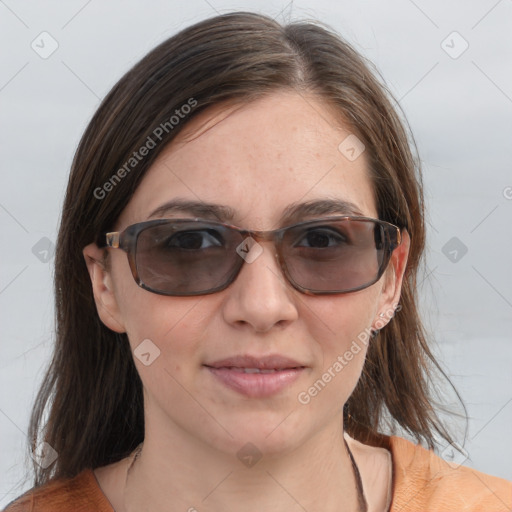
x: 171, y: 323
x: 341, y: 329
x: 172, y: 331
x: 147, y: 315
x: 340, y: 319
x: 165, y: 341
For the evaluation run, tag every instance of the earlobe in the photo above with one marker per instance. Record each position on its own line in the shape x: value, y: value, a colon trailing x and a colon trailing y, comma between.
x: 102, y: 287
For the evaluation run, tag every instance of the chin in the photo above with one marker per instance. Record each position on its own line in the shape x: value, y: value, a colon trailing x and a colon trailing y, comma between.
x: 264, y: 433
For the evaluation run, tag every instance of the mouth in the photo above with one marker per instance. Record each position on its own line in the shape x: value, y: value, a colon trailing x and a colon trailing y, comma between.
x: 256, y: 377
x: 257, y: 370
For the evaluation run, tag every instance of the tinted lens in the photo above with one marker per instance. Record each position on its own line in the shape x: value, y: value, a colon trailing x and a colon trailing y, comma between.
x: 187, y: 258
x: 335, y: 256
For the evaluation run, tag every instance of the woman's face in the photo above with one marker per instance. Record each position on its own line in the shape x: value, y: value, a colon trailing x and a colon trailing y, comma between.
x: 260, y: 160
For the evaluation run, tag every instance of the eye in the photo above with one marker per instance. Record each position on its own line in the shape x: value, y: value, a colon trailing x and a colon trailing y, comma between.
x: 319, y: 238
x: 194, y: 240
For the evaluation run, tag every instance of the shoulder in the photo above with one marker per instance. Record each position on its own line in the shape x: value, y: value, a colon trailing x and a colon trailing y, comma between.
x: 424, y: 481
x: 80, y: 494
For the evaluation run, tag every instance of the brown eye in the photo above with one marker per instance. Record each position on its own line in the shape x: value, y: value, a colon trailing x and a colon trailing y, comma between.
x: 194, y: 240
x: 319, y: 238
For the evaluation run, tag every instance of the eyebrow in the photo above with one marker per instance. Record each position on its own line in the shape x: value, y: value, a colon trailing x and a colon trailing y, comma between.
x: 294, y: 212
x: 196, y: 208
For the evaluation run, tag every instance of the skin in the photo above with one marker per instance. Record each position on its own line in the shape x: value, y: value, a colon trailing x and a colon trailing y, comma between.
x: 257, y: 159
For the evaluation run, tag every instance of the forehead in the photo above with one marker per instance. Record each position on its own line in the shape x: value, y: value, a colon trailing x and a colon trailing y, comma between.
x: 259, y: 159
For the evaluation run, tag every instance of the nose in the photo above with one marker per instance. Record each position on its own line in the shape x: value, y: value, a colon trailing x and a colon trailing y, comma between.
x: 260, y: 297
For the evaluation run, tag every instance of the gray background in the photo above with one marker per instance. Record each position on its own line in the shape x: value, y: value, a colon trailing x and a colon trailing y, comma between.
x: 459, y: 106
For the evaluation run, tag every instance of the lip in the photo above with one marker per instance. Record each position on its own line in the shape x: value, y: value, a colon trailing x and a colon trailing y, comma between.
x: 280, y: 371
x: 270, y: 362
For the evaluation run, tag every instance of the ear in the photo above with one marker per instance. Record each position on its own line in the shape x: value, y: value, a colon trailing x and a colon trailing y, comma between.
x: 101, y: 280
x: 393, y: 278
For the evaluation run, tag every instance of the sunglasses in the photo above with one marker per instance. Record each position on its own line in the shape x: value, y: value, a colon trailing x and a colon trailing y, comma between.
x: 184, y: 257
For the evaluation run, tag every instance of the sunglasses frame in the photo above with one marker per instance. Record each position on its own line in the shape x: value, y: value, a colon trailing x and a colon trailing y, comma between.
x: 126, y: 240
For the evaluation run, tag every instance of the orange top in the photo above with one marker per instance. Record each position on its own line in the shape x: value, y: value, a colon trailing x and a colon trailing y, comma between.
x: 422, y: 482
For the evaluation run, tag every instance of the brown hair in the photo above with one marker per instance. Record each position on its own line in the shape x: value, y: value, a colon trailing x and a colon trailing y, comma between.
x: 92, y: 389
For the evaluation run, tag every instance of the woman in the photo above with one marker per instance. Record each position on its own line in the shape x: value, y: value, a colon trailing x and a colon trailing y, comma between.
x: 236, y: 292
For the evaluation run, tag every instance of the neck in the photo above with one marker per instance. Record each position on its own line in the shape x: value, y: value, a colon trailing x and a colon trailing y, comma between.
x: 178, y: 474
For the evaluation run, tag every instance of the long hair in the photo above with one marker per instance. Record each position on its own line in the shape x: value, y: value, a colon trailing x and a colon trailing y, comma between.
x: 90, y: 405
